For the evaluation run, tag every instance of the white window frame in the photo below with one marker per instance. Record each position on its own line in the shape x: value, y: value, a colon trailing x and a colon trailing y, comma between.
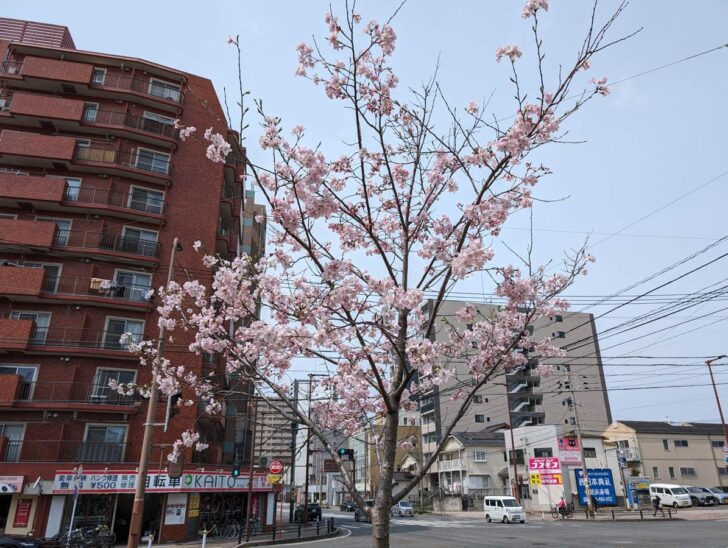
x: 50, y: 319
x: 107, y: 424
x: 39, y: 264
x: 477, y: 454
x: 86, y: 105
x: 167, y: 86
x: 156, y: 232
x: 106, y: 326
x: 149, y: 115
x: 169, y: 159
x: 103, y: 80
x: 22, y: 439
x: 55, y: 220
x: 33, y: 366
x: 131, y: 193
x: 134, y: 272
x: 95, y: 384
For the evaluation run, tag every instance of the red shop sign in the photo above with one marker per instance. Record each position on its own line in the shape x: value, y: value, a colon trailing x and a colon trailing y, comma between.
x: 22, y: 513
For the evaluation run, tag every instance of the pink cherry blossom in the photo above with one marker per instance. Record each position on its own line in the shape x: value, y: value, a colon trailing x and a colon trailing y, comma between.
x: 532, y: 6
x: 472, y: 107
x: 513, y: 52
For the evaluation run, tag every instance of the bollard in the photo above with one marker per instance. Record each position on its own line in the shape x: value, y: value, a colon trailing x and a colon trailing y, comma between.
x: 612, y: 514
x: 274, y: 533
x: 641, y: 515
x: 204, y: 538
x: 669, y: 512
x: 318, y: 525
x: 299, y: 530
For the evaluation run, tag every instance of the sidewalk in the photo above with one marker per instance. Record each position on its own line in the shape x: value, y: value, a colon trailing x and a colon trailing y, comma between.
x: 308, y: 532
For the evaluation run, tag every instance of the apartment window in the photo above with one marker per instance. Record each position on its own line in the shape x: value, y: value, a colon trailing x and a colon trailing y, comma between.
x: 556, y: 318
x: 681, y: 443
x: 131, y: 285
x: 63, y: 229
x: 687, y: 471
x: 101, y: 391
x: 151, y: 160
x: 27, y: 372
x: 73, y: 188
x: 99, y: 76
x: 117, y: 327
x: 723, y: 470
x: 51, y: 277
x: 623, y: 444
x: 671, y: 471
x: 102, y: 443
x: 519, y: 456
x: 479, y: 418
x: 558, y: 335
x: 716, y: 443
x: 138, y: 241
x: 89, y: 112
x: 479, y: 456
x: 590, y: 452
x: 41, y: 322
x: 165, y: 90
x: 477, y: 399
x: 543, y: 452
x: 143, y: 199
x: 666, y: 445
x: 655, y: 472
x: 157, y: 123
x: 14, y: 434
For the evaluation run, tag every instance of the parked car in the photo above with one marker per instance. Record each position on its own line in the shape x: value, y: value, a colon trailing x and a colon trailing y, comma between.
x: 403, y: 508
x: 700, y: 496
x: 314, y: 512
x: 361, y: 515
x: 347, y: 506
x: 505, y: 509
x: 719, y: 494
x: 670, y: 495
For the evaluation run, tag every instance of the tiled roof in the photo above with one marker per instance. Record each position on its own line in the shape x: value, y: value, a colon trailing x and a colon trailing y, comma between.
x: 660, y: 427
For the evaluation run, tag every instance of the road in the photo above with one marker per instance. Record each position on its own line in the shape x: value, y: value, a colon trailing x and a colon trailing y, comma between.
x: 431, y: 531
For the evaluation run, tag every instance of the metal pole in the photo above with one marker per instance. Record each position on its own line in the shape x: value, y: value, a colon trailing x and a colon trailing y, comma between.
x: 308, y: 452
x: 514, y: 457
x: 76, y: 488
x: 709, y: 363
x: 294, y: 436
x: 137, y: 511
x: 250, y: 475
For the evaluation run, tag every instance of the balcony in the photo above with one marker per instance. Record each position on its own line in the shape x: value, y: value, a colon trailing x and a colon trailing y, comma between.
x: 109, y: 292
x: 138, y: 86
x: 15, y: 334
x: 35, y: 149
x: 120, y: 247
x: 632, y: 454
x: 67, y: 395
x: 79, y: 452
x: 122, y: 204
x: 449, y: 465
x: 90, y: 342
x: 123, y: 162
x: 161, y: 132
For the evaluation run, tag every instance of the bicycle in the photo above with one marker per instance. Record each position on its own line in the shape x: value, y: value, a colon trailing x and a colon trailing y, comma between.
x: 565, y: 511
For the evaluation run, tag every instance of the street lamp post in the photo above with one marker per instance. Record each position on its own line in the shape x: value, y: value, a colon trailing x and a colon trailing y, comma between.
x: 137, y: 513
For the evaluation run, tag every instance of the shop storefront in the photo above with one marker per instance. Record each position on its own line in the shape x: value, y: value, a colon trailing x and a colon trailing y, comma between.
x: 17, y: 511
x: 175, y: 509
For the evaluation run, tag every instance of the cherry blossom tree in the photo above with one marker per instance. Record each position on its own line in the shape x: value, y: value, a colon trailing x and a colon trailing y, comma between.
x: 366, y: 246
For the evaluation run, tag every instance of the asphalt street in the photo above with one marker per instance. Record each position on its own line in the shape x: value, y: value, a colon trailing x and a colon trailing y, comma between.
x: 430, y: 531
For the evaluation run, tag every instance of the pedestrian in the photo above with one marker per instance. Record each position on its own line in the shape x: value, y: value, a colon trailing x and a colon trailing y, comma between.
x: 562, y: 507
x: 657, y: 506
x: 595, y: 505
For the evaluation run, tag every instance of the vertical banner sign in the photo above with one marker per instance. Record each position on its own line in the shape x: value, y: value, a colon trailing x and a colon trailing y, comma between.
x: 22, y: 513
x: 176, y: 509
x: 601, y: 486
x: 193, y: 508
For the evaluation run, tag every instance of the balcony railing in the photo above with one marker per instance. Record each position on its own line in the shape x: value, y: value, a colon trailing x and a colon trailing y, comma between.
x: 6, y: 100
x: 62, y: 451
x: 73, y: 337
x: 138, y: 85
x: 447, y: 465
x: 125, y: 200
x: 97, y: 287
x: 132, y: 121
x: 124, y: 158
x: 11, y: 67
x: 106, y: 242
x: 73, y: 392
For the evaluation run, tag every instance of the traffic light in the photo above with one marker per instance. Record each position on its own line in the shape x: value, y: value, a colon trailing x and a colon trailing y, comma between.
x: 344, y: 452
x: 235, y: 471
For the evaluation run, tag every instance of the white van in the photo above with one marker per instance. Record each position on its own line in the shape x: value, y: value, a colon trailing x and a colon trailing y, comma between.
x: 505, y: 509
x: 670, y: 494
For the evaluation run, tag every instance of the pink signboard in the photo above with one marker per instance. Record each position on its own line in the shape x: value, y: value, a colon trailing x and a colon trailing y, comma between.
x: 540, y: 464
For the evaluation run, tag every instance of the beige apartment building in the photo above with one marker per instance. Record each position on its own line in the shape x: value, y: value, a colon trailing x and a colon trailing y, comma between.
x: 522, y: 397
x: 667, y: 452
x: 273, y: 432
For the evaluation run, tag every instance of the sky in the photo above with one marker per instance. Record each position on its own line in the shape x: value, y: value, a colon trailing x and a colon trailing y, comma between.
x: 648, y: 162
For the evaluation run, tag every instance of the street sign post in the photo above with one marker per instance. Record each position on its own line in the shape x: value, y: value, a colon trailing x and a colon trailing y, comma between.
x: 273, y: 478
x: 275, y: 467
x: 725, y: 448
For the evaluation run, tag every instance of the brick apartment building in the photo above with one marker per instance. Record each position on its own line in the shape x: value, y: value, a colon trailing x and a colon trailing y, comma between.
x: 94, y: 186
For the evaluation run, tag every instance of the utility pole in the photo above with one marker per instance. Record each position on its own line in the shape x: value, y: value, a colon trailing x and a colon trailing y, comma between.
x: 308, y: 451
x: 514, y: 456
x: 252, y: 468
x: 137, y: 512
x: 585, y: 470
x: 294, y: 439
x: 709, y: 363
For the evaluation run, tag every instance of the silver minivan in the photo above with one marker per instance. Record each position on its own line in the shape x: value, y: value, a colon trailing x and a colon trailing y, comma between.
x: 670, y: 494
x: 505, y: 509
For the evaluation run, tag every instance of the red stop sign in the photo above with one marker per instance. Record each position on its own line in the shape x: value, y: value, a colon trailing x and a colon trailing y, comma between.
x: 276, y: 467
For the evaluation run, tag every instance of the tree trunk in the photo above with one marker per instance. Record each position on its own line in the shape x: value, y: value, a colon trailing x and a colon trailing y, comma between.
x: 383, y: 500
